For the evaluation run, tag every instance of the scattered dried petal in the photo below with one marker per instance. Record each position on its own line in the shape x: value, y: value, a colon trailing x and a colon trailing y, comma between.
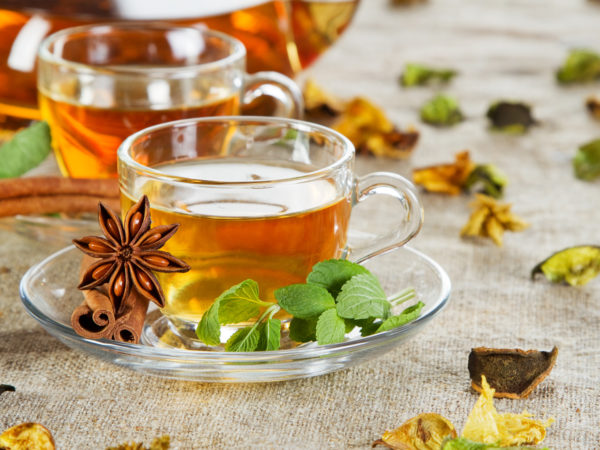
x: 365, y: 124
x: 467, y: 444
x: 319, y: 104
x: 486, y: 425
x: 27, y: 436
x: 510, y: 117
x: 512, y: 373
x: 574, y: 265
x: 418, y: 75
x: 442, y: 111
x: 491, y: 219
x: 593, y: 106
x: 446, y: 178
x: 587, y: 161
x: 425, y: 431
x: 406, y: 2
x: 581, y: 66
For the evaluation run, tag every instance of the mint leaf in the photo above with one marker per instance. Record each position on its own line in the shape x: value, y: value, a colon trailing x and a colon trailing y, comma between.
x: 419, y: 74
x: 587, y: 161
x: 209, y: 329
x: 243, y: 340
x: 441, y: 110
x: 333, y: 273
x: 331, y: 328
x: 269, y: 335
x: 408, y: 315
x: 304, y: 300
x: 28, y: 148
x: 303, y: 330
x: 362, y: 297
x: 239, y: 303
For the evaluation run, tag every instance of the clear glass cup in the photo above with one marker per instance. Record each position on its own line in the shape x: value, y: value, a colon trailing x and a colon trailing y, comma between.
x: 99, y: 84
x: 256, y: 197
x: 281, y: 35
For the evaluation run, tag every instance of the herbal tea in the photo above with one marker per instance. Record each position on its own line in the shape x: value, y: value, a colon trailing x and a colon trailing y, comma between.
x: 85, y: 139
x: 281, y: 35
x: 228, y: 235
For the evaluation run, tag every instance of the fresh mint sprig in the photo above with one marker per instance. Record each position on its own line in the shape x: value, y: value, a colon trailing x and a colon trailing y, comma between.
x: 338, y: 296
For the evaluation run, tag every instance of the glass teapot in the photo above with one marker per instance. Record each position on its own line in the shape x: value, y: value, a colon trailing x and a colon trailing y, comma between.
x: 281, y: 35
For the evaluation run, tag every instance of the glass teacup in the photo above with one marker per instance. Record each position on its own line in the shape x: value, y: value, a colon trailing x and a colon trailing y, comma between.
x: 255, y: 197
x: 100, y: 83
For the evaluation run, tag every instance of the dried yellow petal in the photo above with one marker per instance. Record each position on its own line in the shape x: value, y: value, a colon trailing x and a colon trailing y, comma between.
x: 426, y: 431
x: 27, y: 436
x: 318, y: 103
x: 490, y: 219
x: 445, y: 178
x: 486, y: 425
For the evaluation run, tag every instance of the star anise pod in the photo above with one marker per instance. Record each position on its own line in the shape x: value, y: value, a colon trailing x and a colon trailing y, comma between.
x: 129, y: 254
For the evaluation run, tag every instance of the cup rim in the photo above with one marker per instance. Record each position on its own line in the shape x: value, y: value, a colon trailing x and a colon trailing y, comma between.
x: 45, y: 55
x: 124, y: 157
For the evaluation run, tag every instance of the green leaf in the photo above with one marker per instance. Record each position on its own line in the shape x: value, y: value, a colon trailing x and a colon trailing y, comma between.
x: 418, y: 75
x: 442, y: 111
x: 362, y: 297
x: 510, y: 117
x: 408, y: 315
x: 303, y: 330
x: 491, y: 180
x: 575, y: 265
x: 304, y: 300
x: 239, y: 303
x: 243, y: 340
x: 269, y: 335
x: 333, y: 273
x: 331, y: 328
x: 26, y: 150
x: 581, y: 66
x: 209, y: 329
x: 466, y: 444
x: 587, y: 161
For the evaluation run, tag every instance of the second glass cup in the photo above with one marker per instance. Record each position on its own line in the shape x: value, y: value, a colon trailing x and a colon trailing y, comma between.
x: 99, y: 84
x: 255, y: 197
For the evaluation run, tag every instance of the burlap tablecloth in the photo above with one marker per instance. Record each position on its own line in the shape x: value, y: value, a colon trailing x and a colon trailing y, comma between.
x: 502, y: 50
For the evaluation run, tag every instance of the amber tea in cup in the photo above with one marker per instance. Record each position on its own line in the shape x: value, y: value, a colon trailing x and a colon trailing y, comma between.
x: 99, y: 84
x: 258, y: 198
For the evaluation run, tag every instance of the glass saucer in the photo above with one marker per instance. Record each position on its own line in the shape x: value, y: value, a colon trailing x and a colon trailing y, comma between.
x: 48, y: 291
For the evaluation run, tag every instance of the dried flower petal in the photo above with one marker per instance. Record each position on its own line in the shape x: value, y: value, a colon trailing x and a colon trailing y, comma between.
x: 27, y: 436
x: 581, y: 66
x: 318, y: 103
x: 587, y: 161
x: 491, y: 219
x: 159, y: 443
x: 486, y: 425
x: 489, y: 177
x: 512, y: 373
x: 446, y: 178
x: 365, y: 124
x: 425, y: 431
x: 510, y: 117
x: 574, y: 265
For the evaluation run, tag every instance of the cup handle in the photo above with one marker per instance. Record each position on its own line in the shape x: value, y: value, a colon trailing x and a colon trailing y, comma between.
x: 275, y: 85
x: 395, y: 186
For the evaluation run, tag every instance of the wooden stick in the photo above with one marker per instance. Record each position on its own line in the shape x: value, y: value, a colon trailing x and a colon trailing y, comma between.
x: 54, y: 203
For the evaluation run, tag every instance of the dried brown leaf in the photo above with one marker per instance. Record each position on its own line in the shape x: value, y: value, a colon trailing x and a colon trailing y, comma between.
x: 513, y: 373
x: 593, y: 106
x: 445, y: 178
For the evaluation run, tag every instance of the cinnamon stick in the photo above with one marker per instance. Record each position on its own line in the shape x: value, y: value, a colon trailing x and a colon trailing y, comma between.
x: 96, y: 317
x: 37, y: 186
x: 54, y: 203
